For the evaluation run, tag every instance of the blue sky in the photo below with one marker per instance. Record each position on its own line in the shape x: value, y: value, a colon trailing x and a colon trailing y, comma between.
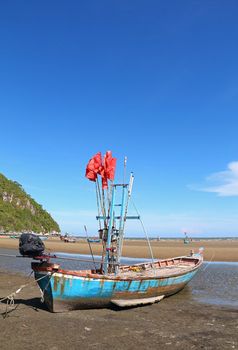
x: 156, y: 81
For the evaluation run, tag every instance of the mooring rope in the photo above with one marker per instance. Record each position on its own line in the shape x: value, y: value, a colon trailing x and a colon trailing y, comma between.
x: 42, y: 299
x: 10, y: 298
x: 208, y: 263
x: 50, y: 256
x: 8, y: 255
x: 11, y: 295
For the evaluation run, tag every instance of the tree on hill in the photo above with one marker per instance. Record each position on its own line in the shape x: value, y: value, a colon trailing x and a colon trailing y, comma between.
x: 19, y: 212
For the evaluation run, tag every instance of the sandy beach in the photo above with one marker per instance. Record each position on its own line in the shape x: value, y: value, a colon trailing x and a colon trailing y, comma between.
x: 177, y: 322
x: 214, y: 250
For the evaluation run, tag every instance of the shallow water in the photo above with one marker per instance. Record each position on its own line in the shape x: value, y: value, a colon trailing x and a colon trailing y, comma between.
x: 215, y: 283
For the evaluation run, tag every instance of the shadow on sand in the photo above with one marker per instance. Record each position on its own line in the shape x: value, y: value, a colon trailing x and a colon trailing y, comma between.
x: 7, y: 308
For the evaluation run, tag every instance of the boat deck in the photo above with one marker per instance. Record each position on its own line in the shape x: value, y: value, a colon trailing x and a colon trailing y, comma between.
x: 158, y: 269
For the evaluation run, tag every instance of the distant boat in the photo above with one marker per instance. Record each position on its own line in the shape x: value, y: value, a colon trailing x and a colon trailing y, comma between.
x: 94, y: 240
x: 14, y: 236
x: 112, y: 283
x: 67, y: 238
x: 186, y: 240
x: 70, y: 240
x: 43, y: 238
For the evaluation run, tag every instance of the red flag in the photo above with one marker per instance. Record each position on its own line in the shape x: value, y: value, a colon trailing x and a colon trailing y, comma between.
x: 109, y: 165
x: 97, y: 162
x: 104, y: 177
x: 105, y: 169
x: 93, y: 167
x: 104, y: 183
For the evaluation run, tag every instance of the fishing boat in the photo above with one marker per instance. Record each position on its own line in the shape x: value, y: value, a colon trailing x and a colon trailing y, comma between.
x: 43, y: 237
x: 186, y: 240
x: 110, y: 282
x: 94, y: 240
x: 67, y: 238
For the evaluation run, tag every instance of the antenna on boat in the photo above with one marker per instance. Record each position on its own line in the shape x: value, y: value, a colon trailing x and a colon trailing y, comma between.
x: 124, y: 216
x: 86, y: 231
x: 124, y: 173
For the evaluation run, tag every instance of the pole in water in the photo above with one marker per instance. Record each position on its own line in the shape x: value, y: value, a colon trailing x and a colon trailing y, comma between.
x: 86, y: 231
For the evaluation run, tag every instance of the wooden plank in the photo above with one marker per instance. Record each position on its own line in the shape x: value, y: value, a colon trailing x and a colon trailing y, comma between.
x: 134, y: 302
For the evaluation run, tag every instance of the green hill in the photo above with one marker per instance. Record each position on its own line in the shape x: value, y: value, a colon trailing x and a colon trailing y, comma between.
x: 19, y: 212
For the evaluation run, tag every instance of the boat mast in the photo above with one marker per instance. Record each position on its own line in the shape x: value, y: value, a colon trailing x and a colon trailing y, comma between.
x: 112, y: 234
x: 123, y: 217
x: 110, y: 231
x: 115, y: 236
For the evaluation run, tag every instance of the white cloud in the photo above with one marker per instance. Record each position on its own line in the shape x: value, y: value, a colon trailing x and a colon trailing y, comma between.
x: 223, y: 183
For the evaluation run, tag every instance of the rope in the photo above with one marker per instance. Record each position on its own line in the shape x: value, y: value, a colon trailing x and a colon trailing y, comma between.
x: 8, y: 255
x: 23, y: 286
x: 42, y: 291
x: 102, y: 202
x: 209, y: 262
x: 97, y: 196
x: 146, y: 234
x: 49, y: 256
x: 10, y: 298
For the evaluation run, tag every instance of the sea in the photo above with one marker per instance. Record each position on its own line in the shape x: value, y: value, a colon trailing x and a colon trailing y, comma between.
x: 215, y: 283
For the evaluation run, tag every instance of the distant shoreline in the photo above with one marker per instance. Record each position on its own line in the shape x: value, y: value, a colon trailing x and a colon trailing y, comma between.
x: 129, y: 238
x: 214, y: 249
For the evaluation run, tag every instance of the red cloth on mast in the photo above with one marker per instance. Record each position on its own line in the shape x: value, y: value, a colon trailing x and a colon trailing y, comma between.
x: 104, y: 183
x: 104, y: 177
x: 109, y: 165
x: 93, y: 167
x: 105, y: 169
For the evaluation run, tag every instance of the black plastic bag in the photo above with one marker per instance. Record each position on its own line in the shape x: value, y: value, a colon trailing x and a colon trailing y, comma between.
x: 30, y: 245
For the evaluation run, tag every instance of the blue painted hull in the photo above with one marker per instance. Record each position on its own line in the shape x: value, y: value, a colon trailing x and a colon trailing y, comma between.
x: 65, y: 290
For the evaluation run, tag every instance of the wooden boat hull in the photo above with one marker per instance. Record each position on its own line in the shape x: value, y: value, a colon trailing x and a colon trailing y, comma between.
x: 70, y: 290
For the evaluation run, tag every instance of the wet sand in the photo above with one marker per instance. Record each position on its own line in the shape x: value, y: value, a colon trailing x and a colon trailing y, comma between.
x: 215, y: 250
x: 177, y: 322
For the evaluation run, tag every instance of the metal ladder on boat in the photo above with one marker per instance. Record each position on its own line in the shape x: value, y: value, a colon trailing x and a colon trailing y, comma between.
x: 115, y: 235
